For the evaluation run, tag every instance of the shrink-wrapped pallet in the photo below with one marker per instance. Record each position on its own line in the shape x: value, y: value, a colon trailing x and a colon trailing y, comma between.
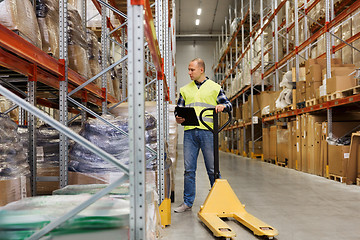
x: 78, y: 60
x: 19, y: 15
x: 47, y: 12
x: 14, y: 166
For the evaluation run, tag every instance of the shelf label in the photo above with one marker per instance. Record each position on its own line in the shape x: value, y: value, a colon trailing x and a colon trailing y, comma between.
x: 255, y: 119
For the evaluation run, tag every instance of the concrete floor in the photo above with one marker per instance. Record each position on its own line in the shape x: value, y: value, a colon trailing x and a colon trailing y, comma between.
x: 300, y: 206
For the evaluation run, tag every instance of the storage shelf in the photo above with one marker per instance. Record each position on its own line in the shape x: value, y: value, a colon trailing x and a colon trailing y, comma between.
x: 21, y: 56
x: 318, y: 107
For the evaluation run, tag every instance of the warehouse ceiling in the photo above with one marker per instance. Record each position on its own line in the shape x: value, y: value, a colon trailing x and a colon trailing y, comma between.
x: 211, y: 19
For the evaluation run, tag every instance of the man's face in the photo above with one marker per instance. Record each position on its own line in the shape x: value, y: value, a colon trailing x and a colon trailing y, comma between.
x: 195, y: 71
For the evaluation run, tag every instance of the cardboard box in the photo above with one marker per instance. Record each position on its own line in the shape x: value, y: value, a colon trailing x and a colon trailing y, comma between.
x: 338, y: 159
x: 266, y: 142
x: 298, y: 158
x: 314, y: 74
x: 14, y: 189
x: 257, y: 147
x: 282, y: 144
x: 300, y: 91
x: 308, y: 95
x: 76, y: 178
x: 318, y: 164
x: 322, y: 62
x: 47, y: 187
x: 304, y: 146
x: 339, y: 83
x: 241, y: 142
x: 292, y: 151
x: 342, y: 71
x: 265, y: 100
x: 273, y: 141
x: 338, y: 130
x: 353, y: 167
x: 275, y: 96
x: 302, y: 74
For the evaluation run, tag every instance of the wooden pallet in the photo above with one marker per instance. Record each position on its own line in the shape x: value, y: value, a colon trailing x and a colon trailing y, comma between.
x: 311, y: 102
x: 272, y: 161
x: 344, y: 93
x: 281, y: 164
x: 300, y: 105
x: 322, y: 99
x: 268, y: 160
x: 337, y: 178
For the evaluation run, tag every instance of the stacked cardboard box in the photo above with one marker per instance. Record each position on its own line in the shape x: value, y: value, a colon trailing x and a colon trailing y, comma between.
x: 292, y: 149
x: 282, y: 143
x: 272, y: 144
x: 314, y: 75
x: 258, y: 147
x: 266, y: 142
x: 298, y: 155
x: 246, y: 111
x: 14, y: 189
x: 353, y: 167
x: 334, y: 162
x: 300, y: 85
x: 267, y: 101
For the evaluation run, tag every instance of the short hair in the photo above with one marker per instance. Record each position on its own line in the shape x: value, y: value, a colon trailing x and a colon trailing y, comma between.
x: 199, y: 62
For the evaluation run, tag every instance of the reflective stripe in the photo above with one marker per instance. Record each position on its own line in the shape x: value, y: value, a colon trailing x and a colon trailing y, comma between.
x: 199, y: 104
x: 205, y: 119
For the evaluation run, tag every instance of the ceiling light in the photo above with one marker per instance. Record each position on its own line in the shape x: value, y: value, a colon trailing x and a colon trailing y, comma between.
x: 197, y: 21
x: 198, y: 11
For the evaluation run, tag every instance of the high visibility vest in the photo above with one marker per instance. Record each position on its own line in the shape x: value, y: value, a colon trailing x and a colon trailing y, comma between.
x: 204, y: 97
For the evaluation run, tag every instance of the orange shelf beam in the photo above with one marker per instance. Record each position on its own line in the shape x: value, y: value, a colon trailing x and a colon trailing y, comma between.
x: 21, y: 56
x: 151, y: 38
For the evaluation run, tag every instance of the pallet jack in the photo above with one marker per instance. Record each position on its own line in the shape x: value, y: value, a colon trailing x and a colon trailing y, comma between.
x: 222, y: 202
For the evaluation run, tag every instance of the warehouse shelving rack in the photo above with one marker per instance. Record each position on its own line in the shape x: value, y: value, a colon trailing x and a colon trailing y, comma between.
x: 18, y: 55
x: 292, y: 57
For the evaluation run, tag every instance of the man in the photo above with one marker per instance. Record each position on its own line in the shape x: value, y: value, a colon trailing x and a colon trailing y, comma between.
x: 200, y: 93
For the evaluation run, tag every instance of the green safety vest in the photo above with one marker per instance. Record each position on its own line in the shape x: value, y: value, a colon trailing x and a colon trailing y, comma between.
x: 204, y: 97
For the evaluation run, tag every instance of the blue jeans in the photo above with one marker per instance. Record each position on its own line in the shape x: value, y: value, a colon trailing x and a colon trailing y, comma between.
x: 194, y: 140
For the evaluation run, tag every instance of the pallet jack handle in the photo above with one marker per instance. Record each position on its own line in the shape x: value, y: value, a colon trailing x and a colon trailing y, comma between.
x: 215, y: 131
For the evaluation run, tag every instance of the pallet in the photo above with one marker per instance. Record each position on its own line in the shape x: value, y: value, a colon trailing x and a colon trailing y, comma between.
x: 301, y: 105
x: 344, y: 93
x: 337, y: 178
x: 322, y: 99
x: 257, y: 156
x: 358, y: 181
x: 281, y: 164
x: 311, y: 102
x: 272, y: 161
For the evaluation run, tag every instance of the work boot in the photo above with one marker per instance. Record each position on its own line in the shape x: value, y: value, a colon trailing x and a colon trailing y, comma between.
x: 182, y: 208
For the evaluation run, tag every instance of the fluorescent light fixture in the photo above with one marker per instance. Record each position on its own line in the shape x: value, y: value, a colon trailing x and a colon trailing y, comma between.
x: 198, y: 11
x: 197, y: 21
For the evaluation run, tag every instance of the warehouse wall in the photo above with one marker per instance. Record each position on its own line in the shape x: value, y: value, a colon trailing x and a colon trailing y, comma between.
x: 185, y: 52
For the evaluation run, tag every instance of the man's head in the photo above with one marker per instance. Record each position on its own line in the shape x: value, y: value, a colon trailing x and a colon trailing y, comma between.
x: 197, y: 69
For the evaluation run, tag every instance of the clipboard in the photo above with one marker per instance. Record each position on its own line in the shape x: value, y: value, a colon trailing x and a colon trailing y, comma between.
x: 189, y: 114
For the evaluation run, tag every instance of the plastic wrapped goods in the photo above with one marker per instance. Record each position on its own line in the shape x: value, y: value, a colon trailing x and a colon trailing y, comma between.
x: 13, y: 156
x: 111, y: 141
x: 19, y: 220
x: 94, y: 55
x: 78, y: 60
x: 20, y: 15
x: 47, y: 12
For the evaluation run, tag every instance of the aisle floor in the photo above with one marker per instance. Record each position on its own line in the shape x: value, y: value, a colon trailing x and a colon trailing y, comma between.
x: 300, y: 206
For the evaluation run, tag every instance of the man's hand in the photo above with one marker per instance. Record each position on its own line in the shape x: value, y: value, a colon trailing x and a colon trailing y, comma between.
x: 219, y: 108
x: 180, y: 120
